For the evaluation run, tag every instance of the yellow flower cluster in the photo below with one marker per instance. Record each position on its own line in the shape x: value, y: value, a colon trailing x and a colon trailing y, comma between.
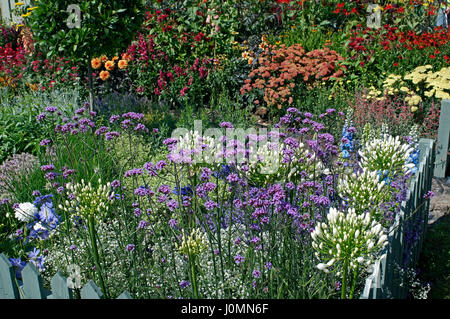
x: 425, y: 3
x: 29, y: 10
x: 436, y: 84
x: 422, y: 79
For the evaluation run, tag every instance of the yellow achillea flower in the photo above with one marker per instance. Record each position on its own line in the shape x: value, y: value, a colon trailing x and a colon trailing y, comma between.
x: 104, y: 75
x: 19, y: 4
x: 96, y: 63
x: 109, y: 65
x: 26, y: 15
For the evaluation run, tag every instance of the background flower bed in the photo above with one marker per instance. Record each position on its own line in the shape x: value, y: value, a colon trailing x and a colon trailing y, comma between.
x: 190, y: 60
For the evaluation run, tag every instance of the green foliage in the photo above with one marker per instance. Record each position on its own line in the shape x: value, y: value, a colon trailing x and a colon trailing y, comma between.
x: 435, y: 259
x: 106, y: 27
x: 19, y: 129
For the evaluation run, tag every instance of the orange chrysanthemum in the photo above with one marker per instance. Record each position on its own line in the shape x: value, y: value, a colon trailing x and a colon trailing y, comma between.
x: 96, y: 63
x: 109, y: 65
x: 115, y: 58
x: 123, y: 64
x: 104, y: 75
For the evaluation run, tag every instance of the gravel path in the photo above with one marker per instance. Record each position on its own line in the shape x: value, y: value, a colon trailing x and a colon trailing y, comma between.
x: 440, y: 203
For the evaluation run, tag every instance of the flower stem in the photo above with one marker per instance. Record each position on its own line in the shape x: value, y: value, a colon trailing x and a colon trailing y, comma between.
x: 95, y: 253
x: 194, y: 276
x: 355, y: 276
x: 344, y: 280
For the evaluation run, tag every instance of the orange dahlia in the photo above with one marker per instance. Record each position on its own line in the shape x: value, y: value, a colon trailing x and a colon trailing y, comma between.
x: 96, y: 63
x: 109, y: 65
x: 126, y: 56
x: 123, y: 64
x: 104, y: 75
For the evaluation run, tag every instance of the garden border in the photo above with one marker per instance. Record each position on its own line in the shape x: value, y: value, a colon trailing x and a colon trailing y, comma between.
x: 390, y: 277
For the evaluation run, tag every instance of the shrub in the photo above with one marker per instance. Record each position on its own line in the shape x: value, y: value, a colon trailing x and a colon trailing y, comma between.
x: 282, y: 72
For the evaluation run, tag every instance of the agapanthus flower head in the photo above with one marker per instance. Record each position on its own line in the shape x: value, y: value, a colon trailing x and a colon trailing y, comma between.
x: 386, y: 154
x: 347, y: 239
x: 85, y: 200
x: 363, y: 191
x: 194, y: 243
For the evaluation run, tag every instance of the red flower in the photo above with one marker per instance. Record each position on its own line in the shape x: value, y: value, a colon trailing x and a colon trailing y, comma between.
x: 395, y: 63
x: 199, y: 36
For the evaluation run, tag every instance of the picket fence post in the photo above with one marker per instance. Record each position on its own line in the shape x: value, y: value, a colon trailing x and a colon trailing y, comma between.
x: 443, y: 140
x: 8, y: 288
x: 31, y: 287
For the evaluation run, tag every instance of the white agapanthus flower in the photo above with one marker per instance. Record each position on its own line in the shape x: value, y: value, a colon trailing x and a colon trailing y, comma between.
x: 270, y: 163
x: 87, y: 200
x: 386, y: 154
x: 351, y: 240
x: 364, y: 191
x: 194, y: 243
x: 25, y: 212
